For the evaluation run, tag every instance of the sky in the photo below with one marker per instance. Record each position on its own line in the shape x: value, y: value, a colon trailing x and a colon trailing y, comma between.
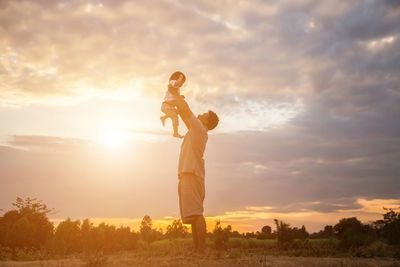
x: 307, y: 92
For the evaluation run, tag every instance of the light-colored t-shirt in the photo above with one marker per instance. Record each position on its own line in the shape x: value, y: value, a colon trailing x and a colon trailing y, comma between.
x: 168, y: 95
x: 191, y: 158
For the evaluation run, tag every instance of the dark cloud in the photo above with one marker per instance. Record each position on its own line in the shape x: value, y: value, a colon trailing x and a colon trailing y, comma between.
x: 290, y: 165
x: 271, y: 50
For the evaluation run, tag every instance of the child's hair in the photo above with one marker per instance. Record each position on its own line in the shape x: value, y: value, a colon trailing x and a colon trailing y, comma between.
x: 212, y: 120
x: 175, y: 76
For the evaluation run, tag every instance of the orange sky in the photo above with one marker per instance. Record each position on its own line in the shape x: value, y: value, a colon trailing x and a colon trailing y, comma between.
x: 306, y: 91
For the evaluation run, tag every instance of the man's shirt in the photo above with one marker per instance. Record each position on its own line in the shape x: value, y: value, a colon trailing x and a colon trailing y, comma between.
x: 191, y: 158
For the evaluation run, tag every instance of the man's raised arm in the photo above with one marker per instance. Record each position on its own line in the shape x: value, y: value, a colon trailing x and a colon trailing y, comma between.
x: 184, y: 111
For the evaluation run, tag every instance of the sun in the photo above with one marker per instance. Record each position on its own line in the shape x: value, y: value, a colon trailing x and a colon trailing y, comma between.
x: 113, y: 138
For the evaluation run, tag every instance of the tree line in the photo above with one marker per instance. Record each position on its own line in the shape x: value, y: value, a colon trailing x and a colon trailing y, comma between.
x: 28, y: 226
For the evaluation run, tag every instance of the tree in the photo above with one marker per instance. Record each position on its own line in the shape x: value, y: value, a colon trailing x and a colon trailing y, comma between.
x: 86, y: 229
x: 109, y: 236
x: 300, y: 233
x: 176, y: 230
x: 326, y: 233
x: 250, y: 235
x: 266, y: 232
x: 146, y: 229
x: 68, y: 236
x: 266, y: 229
x: 352, y: 233
x: 27, y: 225
x: 125, y: 238
x: 389, y: 227
x: 221, y: 235
x: 284, y: 234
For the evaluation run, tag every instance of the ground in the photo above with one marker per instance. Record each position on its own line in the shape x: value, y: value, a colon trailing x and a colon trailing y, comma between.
x: 210, y: 258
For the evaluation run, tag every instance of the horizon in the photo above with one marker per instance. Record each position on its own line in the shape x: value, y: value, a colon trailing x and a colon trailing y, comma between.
x: 307, y: 94
x: 162, y: 223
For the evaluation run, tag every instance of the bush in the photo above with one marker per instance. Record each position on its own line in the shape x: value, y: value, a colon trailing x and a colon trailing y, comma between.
x: 27, y: 226
x: 352, y: 233
x: 68, y: 237
x: 176, y: 230
x: 375, y: 249
x: 95, y: 259
x: 221, y: 236
x: 389, y: 227
x: 5, y: 253
x: 284, y: 234
x: 236, y: 242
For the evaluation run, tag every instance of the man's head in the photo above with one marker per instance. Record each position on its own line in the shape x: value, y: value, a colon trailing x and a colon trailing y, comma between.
x: 209, y: 119
x: 179, y: 77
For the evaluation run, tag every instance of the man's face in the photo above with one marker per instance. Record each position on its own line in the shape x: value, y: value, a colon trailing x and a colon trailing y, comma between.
x: 203, y: 118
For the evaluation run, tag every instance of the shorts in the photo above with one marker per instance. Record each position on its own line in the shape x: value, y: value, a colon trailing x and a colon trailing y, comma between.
x: 191, y: 193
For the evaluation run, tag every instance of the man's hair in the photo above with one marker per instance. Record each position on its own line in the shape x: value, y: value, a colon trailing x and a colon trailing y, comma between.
x: 212, y: 120
x: 175, y: 76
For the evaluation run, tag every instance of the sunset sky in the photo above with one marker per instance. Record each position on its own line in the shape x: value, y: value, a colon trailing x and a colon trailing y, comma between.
x: 307, y: 92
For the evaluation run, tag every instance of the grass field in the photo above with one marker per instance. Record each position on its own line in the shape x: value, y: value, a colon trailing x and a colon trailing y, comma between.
x: 232, y: 257
x: 240, y: 252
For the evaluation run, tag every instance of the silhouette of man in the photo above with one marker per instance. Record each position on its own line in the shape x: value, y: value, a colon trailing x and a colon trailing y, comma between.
x: 191, y: 171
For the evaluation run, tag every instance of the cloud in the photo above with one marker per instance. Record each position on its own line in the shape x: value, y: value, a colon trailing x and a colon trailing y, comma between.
x: 236, y: 58
x: 307, y: 94
x: 49, y: 143
x: 287, y: 171
x: 254, y: 218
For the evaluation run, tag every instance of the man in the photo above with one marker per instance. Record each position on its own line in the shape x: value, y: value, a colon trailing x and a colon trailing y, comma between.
x: 191, y: 171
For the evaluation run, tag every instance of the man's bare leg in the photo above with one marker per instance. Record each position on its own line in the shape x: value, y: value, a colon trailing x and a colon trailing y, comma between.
x: 200, y: 228
x: 194, y: 236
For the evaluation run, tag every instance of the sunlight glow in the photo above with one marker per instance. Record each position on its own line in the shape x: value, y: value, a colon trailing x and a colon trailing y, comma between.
x: 113, y: 138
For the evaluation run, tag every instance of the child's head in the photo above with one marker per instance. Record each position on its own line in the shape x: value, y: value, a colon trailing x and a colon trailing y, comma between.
x: 179, y: 77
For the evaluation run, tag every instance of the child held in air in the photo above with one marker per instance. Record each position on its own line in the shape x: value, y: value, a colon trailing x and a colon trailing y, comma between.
x: 168, y: 106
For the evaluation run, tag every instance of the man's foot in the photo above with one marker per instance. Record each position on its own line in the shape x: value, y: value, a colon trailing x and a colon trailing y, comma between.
x: 162, y: 118
x: 177, y: 135
x: 200, y: 253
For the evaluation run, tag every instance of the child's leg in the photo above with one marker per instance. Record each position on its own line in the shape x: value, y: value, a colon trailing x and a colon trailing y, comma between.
x: 175, y: 124
x: 163, y: 118
x: 166, y: 109
x: 171, y: 112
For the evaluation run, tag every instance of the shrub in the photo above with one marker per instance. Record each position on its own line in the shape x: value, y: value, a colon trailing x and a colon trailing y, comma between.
x: 26, y: 226
x: 389, y: 227
x: 95, y: 259
x: 352, y: 233
x: 221, y: 236
x: 68, y: 237
x: 284, y: 234
x: 176, y: 230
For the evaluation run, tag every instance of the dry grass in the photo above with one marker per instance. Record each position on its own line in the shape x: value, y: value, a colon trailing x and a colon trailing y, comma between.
x: 184, y: 257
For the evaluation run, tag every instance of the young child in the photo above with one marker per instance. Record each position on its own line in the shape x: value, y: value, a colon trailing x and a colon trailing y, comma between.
x: 167, y: 107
